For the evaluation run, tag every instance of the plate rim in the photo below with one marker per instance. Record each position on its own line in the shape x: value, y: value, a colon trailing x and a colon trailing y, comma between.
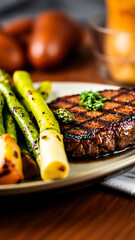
x: 40, y: 185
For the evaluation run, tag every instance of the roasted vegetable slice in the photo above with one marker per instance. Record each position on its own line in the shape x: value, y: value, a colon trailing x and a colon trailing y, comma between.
x: 53, y: 160
x: 10, y: 161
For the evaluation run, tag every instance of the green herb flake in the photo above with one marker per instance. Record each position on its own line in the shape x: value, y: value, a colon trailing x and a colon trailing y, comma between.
x: 92, y: 100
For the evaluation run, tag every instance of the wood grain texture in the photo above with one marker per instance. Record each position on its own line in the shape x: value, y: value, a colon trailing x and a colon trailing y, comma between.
x: 93, y: 213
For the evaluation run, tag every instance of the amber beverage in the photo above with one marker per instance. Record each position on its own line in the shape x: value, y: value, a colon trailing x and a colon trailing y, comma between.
x: 119, y: 44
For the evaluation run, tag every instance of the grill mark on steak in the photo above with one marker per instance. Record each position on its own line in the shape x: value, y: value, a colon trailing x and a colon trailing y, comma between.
x: 96, y: 132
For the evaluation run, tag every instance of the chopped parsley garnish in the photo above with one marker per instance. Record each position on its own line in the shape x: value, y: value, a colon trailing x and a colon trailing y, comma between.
x: 92, y: 100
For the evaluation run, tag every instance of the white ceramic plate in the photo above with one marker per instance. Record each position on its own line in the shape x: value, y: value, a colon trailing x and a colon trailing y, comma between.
x: 80, y: 173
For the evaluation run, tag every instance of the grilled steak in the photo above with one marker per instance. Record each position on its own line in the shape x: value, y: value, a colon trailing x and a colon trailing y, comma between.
x: 97, y: 132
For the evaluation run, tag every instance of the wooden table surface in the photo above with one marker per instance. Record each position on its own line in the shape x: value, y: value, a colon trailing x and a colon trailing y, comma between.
x: 90, y: 213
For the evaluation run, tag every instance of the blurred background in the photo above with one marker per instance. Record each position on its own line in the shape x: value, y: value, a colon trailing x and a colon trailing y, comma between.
x: 80, y: 10
x: 35, y: 41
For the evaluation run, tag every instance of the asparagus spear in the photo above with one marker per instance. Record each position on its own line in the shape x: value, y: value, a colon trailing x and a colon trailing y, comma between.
x: 10, y: 157
x: 29, y: 165
x: 9, y: 123
x: 2, y: 130
x: 63, y: 115
x: 20, y: 114
x: 45, y: 89
x: 53, y: 160
x: 22, y: 101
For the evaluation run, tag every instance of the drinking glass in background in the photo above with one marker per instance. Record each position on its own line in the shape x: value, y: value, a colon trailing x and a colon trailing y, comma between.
x: 113, y: 42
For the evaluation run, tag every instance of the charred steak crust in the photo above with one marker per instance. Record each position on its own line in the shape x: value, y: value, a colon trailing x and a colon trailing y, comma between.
x: 97, y: 132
